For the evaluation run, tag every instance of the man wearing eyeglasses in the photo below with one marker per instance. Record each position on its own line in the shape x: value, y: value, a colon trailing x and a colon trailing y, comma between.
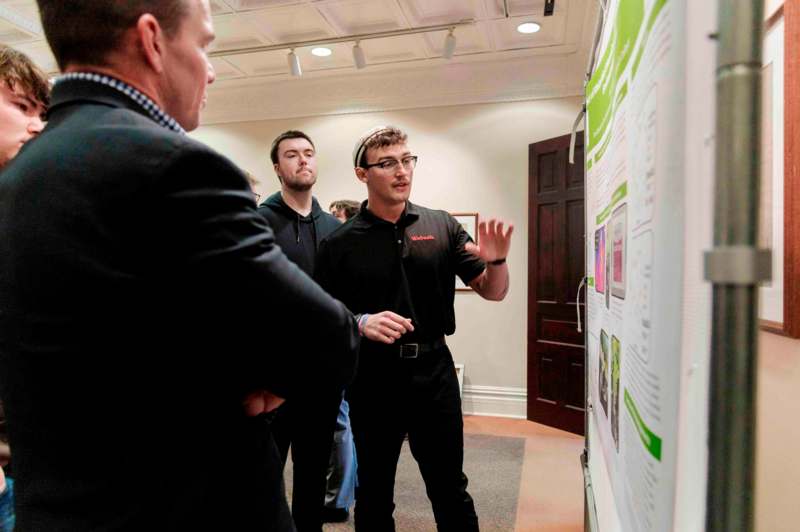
x: 395, y: 263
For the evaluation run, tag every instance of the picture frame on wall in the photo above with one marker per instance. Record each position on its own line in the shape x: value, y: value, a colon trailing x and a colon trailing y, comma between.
x: 469, y: 221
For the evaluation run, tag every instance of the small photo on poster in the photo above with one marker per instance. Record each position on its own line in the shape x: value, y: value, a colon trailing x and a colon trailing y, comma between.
x: 602, y: 384
x: 600, y: 260
x: 616, y: 354
x: 617, y: 233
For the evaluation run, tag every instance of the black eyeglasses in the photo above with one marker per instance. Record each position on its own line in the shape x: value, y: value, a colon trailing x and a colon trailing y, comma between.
x: 392, y: 164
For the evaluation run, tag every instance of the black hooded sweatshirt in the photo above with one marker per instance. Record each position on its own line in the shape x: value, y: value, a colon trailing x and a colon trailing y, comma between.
x: 298, y: 236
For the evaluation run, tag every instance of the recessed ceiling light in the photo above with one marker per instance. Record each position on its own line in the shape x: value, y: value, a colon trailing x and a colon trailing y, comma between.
x: 321, y: 51
x: 528, y: 27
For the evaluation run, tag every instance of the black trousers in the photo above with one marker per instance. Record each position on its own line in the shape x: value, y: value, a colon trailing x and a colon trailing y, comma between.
x: 390, y: 398
x: 307, y: 425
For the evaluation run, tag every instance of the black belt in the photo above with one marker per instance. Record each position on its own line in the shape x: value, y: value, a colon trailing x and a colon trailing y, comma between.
x: 414, y: 350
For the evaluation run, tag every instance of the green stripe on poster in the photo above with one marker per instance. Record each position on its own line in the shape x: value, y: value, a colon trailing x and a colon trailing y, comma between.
x: 659, y: 5
x: 616, y: 197
x: 651, y: 442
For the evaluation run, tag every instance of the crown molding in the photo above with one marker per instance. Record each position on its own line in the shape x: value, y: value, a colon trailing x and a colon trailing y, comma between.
x: 515, y: 79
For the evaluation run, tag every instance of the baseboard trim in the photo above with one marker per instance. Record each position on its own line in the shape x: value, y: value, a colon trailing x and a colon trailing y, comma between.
x: 497, y: 401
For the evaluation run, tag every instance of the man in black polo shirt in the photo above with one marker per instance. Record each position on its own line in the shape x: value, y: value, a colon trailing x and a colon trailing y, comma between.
x: 308, y: 421
x: 395, y: 263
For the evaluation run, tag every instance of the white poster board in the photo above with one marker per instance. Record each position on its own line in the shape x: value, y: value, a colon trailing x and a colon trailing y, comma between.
x: 644, y: 248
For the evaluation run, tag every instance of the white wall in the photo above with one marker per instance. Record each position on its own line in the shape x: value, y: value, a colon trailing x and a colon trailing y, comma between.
x: 473, y: 158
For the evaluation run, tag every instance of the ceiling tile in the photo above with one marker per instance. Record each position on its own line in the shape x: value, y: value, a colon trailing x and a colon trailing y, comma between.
x: 427, y: 13
x: 13, y: 35
x: 261, y: 63
x: 494, y: 8
x: 392, y: 49
x: 19, y: 16
x: 506, y: 37
x: 469, y: 40
x: 342, y: 57
x: 225, y: 70
x: 291, y: 24
x: 233, y: 31
x: 218, y: 7
x: 249, y: 5
x: 352, y: 17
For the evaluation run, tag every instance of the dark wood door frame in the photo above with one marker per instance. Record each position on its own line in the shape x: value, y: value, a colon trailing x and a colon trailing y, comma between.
x: 791, y: 193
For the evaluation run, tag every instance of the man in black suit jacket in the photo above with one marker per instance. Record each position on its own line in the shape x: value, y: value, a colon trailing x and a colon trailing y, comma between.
x: 137, y: 283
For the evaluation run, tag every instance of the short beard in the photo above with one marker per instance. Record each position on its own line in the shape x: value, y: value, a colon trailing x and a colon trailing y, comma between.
x: 296, y: 186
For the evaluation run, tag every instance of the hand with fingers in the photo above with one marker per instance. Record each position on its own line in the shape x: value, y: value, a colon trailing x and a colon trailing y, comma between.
x: 386, y: 327
x: 494, y: 242
x: 261, y: 401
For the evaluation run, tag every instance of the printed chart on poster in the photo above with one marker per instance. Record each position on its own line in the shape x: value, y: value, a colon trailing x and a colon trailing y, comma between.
x: 634, y: 183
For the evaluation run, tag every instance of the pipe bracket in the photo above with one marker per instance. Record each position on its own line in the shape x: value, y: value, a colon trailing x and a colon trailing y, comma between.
x: 738, y: 265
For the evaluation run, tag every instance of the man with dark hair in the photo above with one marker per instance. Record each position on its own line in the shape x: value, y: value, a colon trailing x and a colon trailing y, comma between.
x: 286, y: 135
x: 399, y: 256
x: 137, y: 280
x: 344, y: 209
x: 306, y: 423
x: 24, y: 93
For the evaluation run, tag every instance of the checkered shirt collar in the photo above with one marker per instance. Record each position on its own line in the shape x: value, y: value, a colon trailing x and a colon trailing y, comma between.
x: 150, y: 107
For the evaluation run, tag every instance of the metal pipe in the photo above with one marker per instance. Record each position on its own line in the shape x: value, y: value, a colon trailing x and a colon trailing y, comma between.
x: 589, y: 508
x: 590, y: 511
x: 598, y: 30
x: 731, y: 457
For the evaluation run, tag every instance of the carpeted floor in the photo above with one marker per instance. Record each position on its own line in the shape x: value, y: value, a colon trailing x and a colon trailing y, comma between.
x: 493, y: 465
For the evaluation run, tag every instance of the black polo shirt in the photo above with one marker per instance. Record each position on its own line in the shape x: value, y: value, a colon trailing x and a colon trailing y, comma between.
x: 408, y: 267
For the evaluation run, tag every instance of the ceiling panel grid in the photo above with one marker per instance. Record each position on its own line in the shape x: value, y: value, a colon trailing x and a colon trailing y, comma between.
x: 245, y: 27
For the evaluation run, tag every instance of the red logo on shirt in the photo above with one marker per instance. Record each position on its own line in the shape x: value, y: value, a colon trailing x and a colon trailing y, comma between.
x: 416, y: 238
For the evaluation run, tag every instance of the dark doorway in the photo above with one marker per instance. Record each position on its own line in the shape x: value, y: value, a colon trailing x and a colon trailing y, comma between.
x: 556, y: 265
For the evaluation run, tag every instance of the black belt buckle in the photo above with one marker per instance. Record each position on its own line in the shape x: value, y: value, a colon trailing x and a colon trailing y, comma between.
x: 409, y: 350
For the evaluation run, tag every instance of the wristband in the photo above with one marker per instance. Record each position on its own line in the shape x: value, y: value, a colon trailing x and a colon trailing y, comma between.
x: 362, y: 320
x: 497, y: 262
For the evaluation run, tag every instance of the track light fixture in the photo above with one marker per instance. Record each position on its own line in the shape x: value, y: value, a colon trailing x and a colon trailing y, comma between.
x: 358, y: 53
x: 358, y: 56
x: 449, y: 45
x: 294, y: 64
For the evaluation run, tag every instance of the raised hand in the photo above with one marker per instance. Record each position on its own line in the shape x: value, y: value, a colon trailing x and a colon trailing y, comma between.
x: 494, y: 243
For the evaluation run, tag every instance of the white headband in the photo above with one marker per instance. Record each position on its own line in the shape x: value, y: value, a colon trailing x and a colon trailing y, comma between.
x: 361, y: 145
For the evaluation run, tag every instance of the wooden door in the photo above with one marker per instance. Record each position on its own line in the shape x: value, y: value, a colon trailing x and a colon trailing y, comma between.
x: 556, y: 265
